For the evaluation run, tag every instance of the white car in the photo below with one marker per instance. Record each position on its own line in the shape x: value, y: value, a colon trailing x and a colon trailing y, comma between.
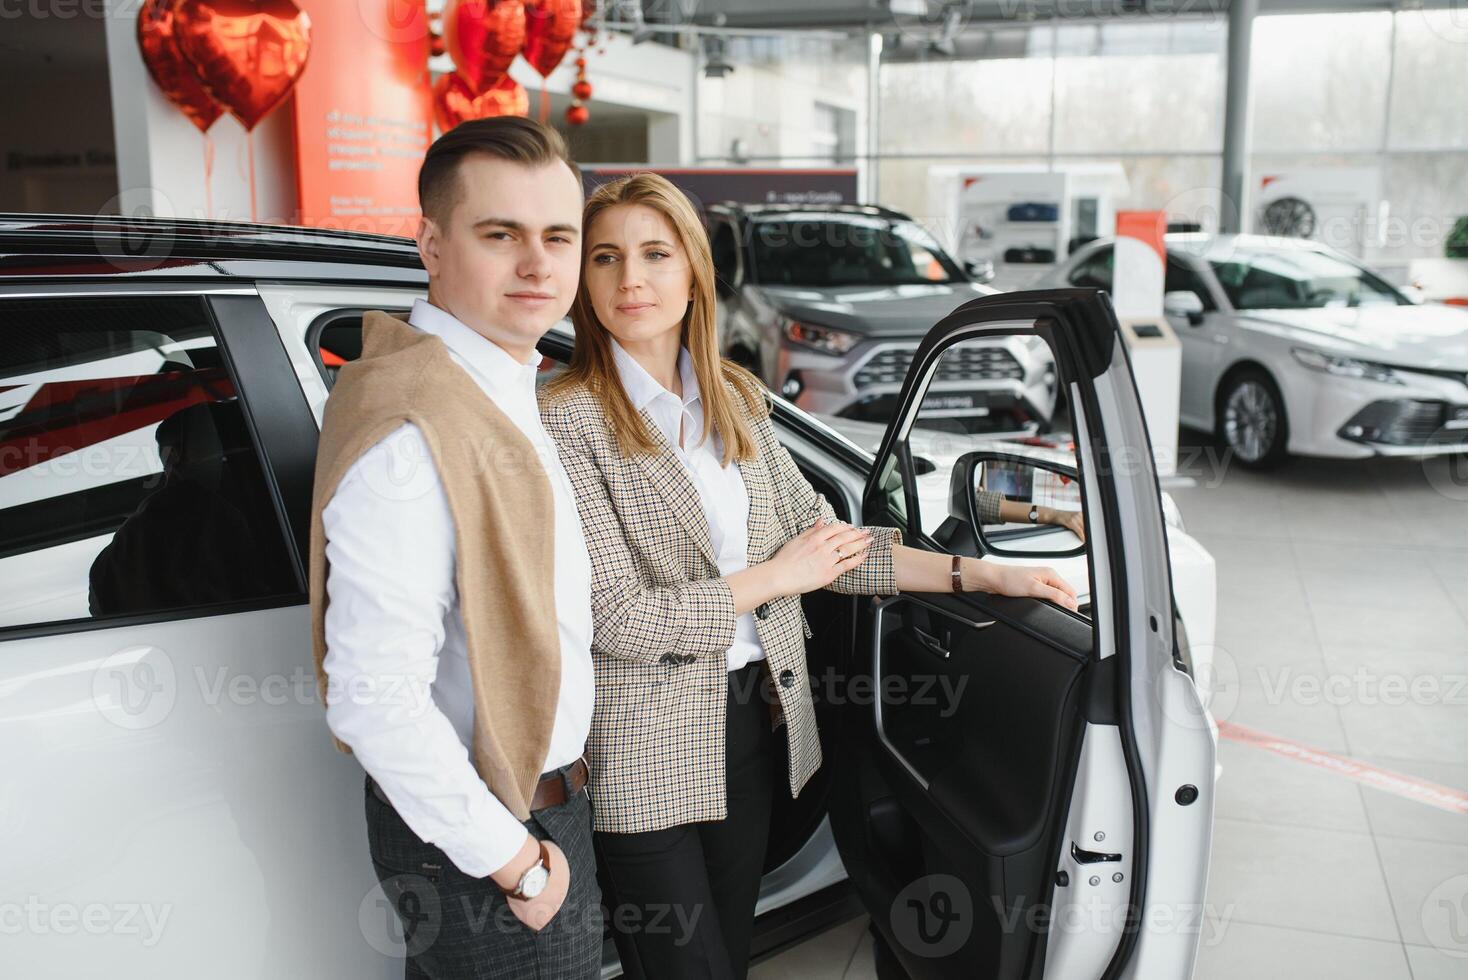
x: 170, y: 798
x: 1292, y: 347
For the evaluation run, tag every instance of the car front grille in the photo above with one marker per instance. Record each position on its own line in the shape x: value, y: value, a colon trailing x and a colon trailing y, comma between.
x: 1397, y: 422
x: 963, y: 362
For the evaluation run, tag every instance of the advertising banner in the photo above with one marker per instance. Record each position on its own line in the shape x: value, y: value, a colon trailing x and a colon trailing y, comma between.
x: 364, y: 116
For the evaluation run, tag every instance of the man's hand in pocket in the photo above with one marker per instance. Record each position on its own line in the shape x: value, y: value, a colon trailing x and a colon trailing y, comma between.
x: 537, y: 912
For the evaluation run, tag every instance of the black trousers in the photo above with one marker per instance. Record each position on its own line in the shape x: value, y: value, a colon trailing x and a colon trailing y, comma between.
x: 680, y: 901
x: 458, y: 927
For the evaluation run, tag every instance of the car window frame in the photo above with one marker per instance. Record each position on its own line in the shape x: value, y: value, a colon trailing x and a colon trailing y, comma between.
x: 1105, y: 248
x: 716, y: 222
x: 1205, y: 288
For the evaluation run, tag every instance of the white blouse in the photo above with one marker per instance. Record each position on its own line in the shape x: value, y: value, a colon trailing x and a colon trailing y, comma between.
x: 721, y: 489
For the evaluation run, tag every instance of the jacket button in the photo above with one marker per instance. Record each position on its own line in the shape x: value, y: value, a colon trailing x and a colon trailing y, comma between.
x: 763, y: 610
x: 787, y: 678
x: 668, y: 659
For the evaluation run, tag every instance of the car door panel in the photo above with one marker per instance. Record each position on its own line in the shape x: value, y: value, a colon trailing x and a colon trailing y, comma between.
x: 165, y: 760
x: 1026, y: 795
x: 1001, y: 675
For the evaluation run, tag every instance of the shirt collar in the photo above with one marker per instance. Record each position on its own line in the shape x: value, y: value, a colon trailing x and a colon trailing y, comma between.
x: 491, y: 361
x: 642, y: 388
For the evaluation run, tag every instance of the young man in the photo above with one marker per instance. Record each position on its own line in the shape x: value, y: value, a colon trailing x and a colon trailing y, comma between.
x: 450, y: 581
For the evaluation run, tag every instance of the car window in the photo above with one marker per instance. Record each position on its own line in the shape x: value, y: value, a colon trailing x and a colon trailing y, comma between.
x: 338, y: 339
x: 1095, y: 271
x: 850, y: 250
x: 129, y: 481
x: 1298, y: 278
x: 1181, y: 278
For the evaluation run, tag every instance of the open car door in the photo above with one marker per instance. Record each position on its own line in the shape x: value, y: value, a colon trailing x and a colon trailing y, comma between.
x: 1026, y: 792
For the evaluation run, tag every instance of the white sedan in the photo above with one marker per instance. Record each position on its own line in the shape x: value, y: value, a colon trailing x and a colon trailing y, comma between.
x: 1292, y: 347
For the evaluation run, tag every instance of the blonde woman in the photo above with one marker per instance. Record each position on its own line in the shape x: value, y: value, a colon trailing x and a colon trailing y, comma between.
x: 703, y: 535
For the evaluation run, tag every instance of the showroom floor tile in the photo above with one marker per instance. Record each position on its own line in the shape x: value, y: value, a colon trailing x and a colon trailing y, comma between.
x: 1341, y: 584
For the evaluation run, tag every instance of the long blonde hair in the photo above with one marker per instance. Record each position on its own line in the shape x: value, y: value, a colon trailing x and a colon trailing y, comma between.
x: 592, y: 362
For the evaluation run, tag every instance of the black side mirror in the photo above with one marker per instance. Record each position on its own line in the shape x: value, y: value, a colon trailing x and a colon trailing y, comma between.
x: 995, y: 493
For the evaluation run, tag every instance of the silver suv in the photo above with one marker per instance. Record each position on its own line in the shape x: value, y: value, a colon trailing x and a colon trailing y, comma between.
x: 827, y: 305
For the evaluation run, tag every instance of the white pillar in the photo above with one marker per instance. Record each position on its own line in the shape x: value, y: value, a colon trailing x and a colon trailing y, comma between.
x: 161, y: 154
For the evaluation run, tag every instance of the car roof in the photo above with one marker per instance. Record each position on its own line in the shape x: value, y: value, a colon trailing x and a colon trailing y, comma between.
x: 131, y: 241
x: 736, y: 209
x: 1202, y: 243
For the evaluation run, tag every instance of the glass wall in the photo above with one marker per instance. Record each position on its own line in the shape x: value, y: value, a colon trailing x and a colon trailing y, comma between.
x: 1142, y: 96
x: 785, y: 101
x: 1377, y: 99
x: 1365, y: 108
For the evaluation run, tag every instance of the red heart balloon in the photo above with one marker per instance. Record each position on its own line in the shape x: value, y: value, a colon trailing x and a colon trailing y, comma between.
x: 248, y: 53
x: 171, y: 71
x: 454, y: 102
x: 483, y: 37
x: 550, y: 27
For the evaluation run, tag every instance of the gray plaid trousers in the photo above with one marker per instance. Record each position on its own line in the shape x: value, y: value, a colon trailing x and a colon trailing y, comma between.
x: 458, y: 927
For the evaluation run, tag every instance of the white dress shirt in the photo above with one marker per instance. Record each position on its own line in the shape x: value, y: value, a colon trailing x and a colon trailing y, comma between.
x: 395, y: 644
x: 721, y: 489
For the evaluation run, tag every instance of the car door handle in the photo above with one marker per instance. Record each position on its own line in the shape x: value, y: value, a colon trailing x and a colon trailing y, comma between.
x: 935, y: 646
x: 1080, y: 855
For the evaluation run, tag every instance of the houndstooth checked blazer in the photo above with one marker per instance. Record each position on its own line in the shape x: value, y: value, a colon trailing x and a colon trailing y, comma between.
x: 663, y: 617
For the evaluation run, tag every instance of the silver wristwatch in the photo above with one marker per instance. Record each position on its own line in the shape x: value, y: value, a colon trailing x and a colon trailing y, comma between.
x: 1034, y: 513
x: 535, y: 878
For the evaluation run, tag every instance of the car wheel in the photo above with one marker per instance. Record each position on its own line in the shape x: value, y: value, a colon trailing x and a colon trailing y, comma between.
x: 1251, y: 420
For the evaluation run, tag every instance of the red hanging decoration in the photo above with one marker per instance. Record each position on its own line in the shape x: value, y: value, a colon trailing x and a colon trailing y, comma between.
x: 248, y: 53
x: 483, y: 37
x: 170, y: 70
x: 577, y: 114
x: 454, y: 103
x: 550, y: 27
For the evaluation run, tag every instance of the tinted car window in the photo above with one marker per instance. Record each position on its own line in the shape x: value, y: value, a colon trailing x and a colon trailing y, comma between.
x: 1095, y: 271
x: 848, y: 251
x: 128, y: 479
x: 1298, y: 278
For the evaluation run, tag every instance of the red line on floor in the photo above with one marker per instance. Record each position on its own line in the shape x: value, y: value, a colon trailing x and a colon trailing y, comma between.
x: 1433, y: 794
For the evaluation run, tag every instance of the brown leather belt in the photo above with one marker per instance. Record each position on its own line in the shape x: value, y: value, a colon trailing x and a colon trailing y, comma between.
x: 553, y: 789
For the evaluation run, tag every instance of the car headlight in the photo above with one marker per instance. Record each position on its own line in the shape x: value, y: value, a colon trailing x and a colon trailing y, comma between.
x: 1345, y: 367
x: 826, y: 340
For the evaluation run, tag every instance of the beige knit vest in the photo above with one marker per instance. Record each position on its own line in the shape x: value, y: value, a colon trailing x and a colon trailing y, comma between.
x: 500, y: 498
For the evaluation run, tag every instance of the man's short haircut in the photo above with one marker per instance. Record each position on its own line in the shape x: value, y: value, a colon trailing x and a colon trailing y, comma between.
x: 513, y: 138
